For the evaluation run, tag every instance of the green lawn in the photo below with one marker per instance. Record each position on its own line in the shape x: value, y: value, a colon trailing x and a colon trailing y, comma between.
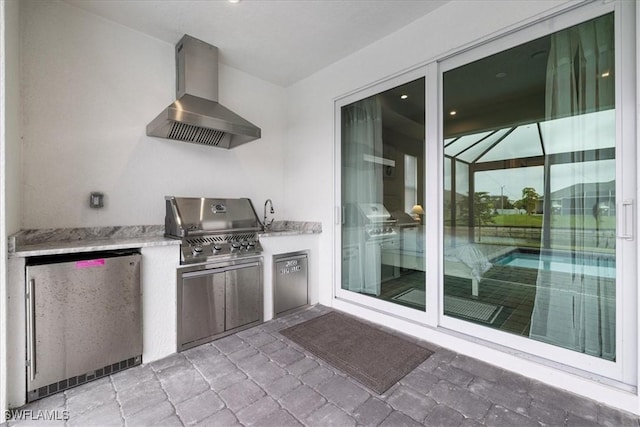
x: 518, y: 220
x: 560, y: 221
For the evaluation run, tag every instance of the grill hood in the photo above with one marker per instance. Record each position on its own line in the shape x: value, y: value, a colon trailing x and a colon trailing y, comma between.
x: 196, y: 116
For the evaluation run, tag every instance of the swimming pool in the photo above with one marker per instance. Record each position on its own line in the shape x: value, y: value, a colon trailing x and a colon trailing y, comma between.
x: 561, y: 262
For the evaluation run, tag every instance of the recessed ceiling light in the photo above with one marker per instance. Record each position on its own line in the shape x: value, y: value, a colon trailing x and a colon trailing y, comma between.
x: 453, y: 112
x: 404, y: 96
x: 234, y: 1
x: 501, y: 75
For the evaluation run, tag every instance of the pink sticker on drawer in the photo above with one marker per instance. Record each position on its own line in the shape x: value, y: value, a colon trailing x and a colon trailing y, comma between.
x: 90, y: 263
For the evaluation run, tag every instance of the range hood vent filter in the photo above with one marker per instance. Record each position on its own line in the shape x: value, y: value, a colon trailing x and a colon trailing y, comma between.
x: 196, y: 116
x: 190, y: 133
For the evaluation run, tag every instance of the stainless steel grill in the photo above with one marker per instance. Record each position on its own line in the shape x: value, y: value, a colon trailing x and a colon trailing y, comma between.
x: 379, y: 225
x: 213, y: 229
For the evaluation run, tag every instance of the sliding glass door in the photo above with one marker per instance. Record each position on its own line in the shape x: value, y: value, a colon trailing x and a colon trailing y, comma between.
x: 382, y: 188
x: 510, y: 219
x: 532, y: 213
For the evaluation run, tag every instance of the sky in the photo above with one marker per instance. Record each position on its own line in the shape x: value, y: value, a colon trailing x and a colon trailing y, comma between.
x: 512, y: 181
x: 571, y: 134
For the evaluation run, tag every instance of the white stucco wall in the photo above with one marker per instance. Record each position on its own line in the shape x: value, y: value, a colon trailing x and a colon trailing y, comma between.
x: 10, y: 107
x: 89, y: 88
x: 159, y: 301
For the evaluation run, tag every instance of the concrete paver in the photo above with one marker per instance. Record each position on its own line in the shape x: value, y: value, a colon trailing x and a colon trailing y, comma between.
x: 258, y: 377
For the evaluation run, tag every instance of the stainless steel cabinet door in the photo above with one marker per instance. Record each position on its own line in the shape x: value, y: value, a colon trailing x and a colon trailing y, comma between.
x: 202, y: 305
x: 82, y: 316
x: 290, y: 284
x: 243, y: 296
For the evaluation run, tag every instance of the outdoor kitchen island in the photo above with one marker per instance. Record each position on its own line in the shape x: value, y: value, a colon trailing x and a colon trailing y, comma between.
x: 160, y: 259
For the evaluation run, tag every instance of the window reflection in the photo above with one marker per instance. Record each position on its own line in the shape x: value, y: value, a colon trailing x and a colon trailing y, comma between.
x: 530, y: 190
x: 382, y: 196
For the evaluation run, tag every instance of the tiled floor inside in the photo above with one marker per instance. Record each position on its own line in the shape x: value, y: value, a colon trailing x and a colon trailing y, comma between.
x: 258, y: 377
x: 512, y: 288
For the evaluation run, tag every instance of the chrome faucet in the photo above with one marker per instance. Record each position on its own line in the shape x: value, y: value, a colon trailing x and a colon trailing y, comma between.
x: 271, y: 211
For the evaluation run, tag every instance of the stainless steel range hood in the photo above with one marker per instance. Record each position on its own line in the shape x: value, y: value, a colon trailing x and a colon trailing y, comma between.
x: 197, y: 116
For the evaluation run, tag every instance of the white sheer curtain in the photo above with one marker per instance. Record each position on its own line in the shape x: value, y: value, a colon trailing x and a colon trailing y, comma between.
x: 361, y: 184
x: 576, y: 309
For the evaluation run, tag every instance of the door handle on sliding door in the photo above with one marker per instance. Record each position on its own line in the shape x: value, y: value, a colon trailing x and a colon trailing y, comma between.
x: 625, y: 220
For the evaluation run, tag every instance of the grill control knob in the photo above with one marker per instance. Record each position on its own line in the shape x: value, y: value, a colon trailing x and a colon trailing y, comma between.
x: 197, y: 250
x: 251, y: 244
x: 235, y: 246
x: 217, y: 248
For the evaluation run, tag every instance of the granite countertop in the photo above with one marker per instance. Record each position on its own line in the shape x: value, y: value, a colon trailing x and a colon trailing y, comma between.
x: 55, y: 241
x: 291, y: 228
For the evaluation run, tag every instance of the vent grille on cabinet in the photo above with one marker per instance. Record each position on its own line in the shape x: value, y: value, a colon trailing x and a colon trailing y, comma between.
x: 65, y: 384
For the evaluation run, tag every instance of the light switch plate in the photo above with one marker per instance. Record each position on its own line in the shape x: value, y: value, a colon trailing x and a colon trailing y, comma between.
x: 96, y: 200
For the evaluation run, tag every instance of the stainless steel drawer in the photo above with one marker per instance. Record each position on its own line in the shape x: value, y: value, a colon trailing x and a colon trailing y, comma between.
x: 290, y: 282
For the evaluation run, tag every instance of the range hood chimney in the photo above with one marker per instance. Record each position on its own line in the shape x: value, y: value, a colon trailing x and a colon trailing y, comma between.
x: 197, y: 116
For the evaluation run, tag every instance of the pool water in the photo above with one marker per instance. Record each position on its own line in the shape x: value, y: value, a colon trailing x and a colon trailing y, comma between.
x: 561, y: 263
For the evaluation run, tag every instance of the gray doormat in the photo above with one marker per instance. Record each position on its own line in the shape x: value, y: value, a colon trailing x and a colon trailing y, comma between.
x: 373, y: 357
x: 411, y: 296
x: 455, y: 306
x: 475, y: 310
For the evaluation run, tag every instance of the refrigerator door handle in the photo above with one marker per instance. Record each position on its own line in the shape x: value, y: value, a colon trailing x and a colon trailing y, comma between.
x: 31, y: 336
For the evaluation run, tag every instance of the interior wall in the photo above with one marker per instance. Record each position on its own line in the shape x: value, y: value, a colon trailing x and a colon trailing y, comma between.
x: 397, y: 146
x: 90, y: 87
x: 10, y: 106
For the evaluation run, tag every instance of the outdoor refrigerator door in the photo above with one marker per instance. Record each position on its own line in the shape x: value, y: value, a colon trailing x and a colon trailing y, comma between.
x: 81, y: 316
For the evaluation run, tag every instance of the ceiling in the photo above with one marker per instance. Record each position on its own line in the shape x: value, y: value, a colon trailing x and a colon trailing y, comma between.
x: 504, y: 89
x: 278, y: 41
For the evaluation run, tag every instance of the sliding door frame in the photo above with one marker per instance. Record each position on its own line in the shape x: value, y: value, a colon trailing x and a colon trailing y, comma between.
x: 624, y: 369
x: 350, y: 296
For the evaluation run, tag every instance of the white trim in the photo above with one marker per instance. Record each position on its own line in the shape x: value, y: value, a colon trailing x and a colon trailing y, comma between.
x: 3, y: 223
x: 373, y: 88
x: 626, y: 175
x: 635, y: 120
x: 434, y: 174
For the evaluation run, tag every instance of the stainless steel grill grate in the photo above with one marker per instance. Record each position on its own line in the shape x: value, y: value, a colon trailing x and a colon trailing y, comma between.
x: 205, y: 240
